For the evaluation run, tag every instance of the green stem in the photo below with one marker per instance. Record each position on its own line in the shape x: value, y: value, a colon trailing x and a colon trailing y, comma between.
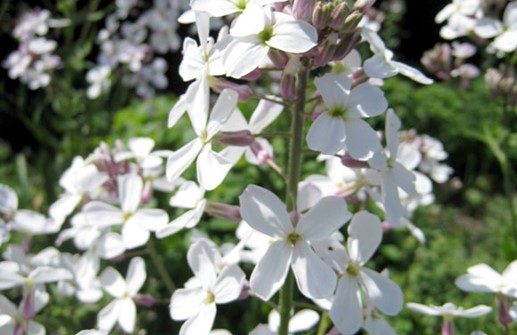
x: 293, y: 177
x: 160, y: 267
x: 324, y: 323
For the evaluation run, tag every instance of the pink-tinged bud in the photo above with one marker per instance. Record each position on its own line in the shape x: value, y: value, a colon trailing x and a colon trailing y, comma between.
x: 358, y: 77
x: 295, y: 217
x: 326, y: 52
x: 447, y: 326
x: 350, y: 162
x: 244, y: 91
x: 503, y: 311
x: 28, y: 304
x: 288, y: 86
x: 225, y: 211
x: 147, y: 193
x: 145, y: 300
x: 253, y: 75
x: 334, y: 331
x: 278, y: 57
x: 346, y: 44
x: 321, y: 15
x: 241, y: 138
x: 339, y: 15
x: 262, y: 154
x: 279, y: 6
x: 245, y: 292
x: 302, y: 9
x: 386, y: 226
x: 352, y: 22
x: 363, y: 5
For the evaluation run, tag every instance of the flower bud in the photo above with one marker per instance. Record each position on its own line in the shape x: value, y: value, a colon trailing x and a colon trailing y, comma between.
x: 352, y: 22
x: 225, y: 211
x: 241, y: 138
x: 346, y: 44
x: 244, y: 91
x: 447, y: 326
x: 338, y: 15
x: 302, y: 9
x: 321, y: 15
x: 145, y: 300
x: 262, y: 154
x: 350, y: 162
x: 288, y: 86
x: 147, y: 192
x: 28, y: 309
x: 278, y: 57
x: 326, y: 51
x: 253, y: 75
x: 295, y: 217
x: 363, y: 5
x: 503, y: 311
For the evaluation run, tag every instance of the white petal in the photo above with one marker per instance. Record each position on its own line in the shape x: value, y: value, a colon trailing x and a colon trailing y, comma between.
x: 186, y: 302
x: 264, y: 212
x: 412, y: 73
x: 327, y: 135
x: 270, y: 272
x: 130, y: 192
x: 201, y: 323
x: 101, y: 214
x: 135, y: 276
x: 346, y: 311
x: 212, y: 168
x: 423, y: 309
x: 177, y: 111
x: 367, y: 100
x: 405, y: 178
x: 150, y: 218
x: 127, y: 315
x: 110, y: 245
x: 215, y: 8
x: 377, y: 67
x: 229, y: 284
x: 187, y: 196
x: 198, y: 96
x: 303, y: 320
x: 382, y: 291
x: 107, y: 317
x: 265, y: 113
x: 314, y: 277
x: 334, y: 89
x: 392, y: 128
x: 293, y: 37
x: 243, y: 55
x: 203, y: 258
x: 44, y: 274
x: 488, y: 28
x: 391, y: 199
x: 326, y: 217
x: 475, y: 312
x: 65, y: 205
x: 507, y: 41
x: 181, y: 159
x: 8, y: 199
x: 113, y: 283
x: 361, y: 140
x: 251, y: 22
x: 7, y: 307
x: 222, y: 110
x: 134, y: 235
x: 365, y: 236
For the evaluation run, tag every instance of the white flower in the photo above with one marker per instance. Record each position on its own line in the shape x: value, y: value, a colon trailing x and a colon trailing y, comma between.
x: 122, y: 309
x: 224, y: 7
x: 449, y: 310
x: 381, y: 65
x: 505, y: 32
x: 12, y: 320
x: 458, y: 7
x: 190, y: 196
x: 482, y: 278
x: 365, y: 235
x: 342, y: 122
x: 264, y: 212
x: 212, y: 167
x: 257, y: 30
x: 393, y: 173
x: 302, y: 321
x: 137, y: 223
x: 140, y: 149
x: 99, y: 80
x: 197, y: 303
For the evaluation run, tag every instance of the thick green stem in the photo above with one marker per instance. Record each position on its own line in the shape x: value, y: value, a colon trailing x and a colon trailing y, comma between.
x: 293, y: 177
x: 160, y: 267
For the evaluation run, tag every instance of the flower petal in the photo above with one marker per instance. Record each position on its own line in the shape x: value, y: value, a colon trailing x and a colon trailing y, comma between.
x: 229, y: 284
x: 212, y: 168
x: 327, y: 135
x: 347, y: 311
x: 135, y: 276
x: 201, y: 323
x: 181, y: 159
x: 314, y: 277
x: 365, y: 232
x: 113, y: 283
x: 323, y: 219
x: 186, y: 302
x: 264, y: 212
x: 382, y: 291
x: 270, y: 272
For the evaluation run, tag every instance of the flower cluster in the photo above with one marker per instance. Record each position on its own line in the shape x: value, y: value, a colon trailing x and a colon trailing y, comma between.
x: 34, y: 61
x: 131, y: 45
